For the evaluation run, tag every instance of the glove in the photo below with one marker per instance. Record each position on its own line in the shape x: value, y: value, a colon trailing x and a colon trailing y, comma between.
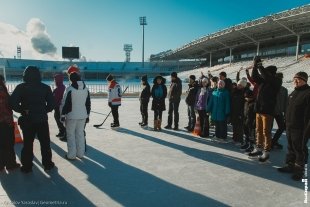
x: 63, y: 119
x: 110, y: 104
x: 257, y: 61
x: 87, y: 120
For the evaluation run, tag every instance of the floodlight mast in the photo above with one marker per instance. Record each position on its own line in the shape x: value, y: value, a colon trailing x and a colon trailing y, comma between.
x: 143, y: 23
x: 127, y: 49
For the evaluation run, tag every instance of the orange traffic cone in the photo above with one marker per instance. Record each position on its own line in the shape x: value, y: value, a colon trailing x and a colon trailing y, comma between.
x: 197, y: 128
x: 18, y: 136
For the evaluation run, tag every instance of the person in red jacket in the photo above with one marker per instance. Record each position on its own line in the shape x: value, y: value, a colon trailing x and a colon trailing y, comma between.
x: 7, y: 153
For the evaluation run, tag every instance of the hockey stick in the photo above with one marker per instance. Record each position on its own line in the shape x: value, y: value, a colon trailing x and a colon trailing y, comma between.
x: 99, y: 125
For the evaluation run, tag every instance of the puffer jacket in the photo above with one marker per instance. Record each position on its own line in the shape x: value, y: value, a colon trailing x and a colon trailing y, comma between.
x: 76, y: 102
x: 33, y: 98
x: 115, y: 93
x: 58, y: 92
x: 5, y: 109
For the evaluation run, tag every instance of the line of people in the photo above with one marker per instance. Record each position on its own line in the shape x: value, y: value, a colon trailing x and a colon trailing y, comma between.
x: 250, y: 105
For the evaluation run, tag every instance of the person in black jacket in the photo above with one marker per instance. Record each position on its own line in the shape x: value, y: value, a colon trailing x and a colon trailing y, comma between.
x: 297, y: 127
x: 144, y: 100
x: 174, y: 95
x: 279, y: 114
x: 33, y: 100
x: 237, y: 111
x: 269, y: 86
x: 190, y: 102
x: 159, y: 93
x: 249, y: 121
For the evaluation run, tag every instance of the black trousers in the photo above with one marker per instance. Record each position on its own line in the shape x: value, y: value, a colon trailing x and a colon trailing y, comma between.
x: 221, y: 129
x: 297, y: 150
x: 60, y: 125
x: 249, y: 132
x: 41, y: 130
x: 281, y: 127
x: 237, y: 130
x: 174, y: 110
x: 158, y: 115
x: 7, y: 140
x: 115, y: 114
x: 144, y: 111
x: 204, y: 122
x: 191, y: 116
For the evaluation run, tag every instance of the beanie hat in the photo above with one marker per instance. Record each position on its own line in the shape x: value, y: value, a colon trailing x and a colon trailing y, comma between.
x: 223, y: 74
x: 302, y: 75
x: 192, y: 77
x: 73, y: 69
x: 205, y: 80
x: 279, y: 75
x: 242, y: 82
x: 272, y: 69
x: 144, y: 78
x: 221, y: 84
x: 174, y: 74
x: 109, y: 77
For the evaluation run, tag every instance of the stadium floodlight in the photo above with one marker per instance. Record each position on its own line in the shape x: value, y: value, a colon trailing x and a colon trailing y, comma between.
x: 127, y: 49
x: 143, y: 23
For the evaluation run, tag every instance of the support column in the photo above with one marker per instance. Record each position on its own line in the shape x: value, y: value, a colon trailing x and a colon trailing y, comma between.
x: 230, y: 55
x: 297, y: 46
x: 257, y: 50
x: 210, y: 59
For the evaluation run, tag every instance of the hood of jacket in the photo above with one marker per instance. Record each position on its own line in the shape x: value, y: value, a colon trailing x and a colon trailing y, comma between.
x: 159, y: 76
x: 59, y: 79
x: 31, y: 75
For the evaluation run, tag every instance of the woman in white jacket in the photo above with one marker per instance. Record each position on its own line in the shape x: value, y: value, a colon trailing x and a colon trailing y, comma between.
x: 75, y: 109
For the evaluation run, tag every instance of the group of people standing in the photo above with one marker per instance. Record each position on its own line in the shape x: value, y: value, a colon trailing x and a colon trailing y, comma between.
x: 159, y: 93
x: 250, y: 106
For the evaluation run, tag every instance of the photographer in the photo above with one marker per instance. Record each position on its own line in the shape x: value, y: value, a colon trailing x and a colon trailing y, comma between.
x: 268, y: 87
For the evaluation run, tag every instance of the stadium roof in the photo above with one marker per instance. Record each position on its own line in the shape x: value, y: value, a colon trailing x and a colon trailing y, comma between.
x: 276, y: 28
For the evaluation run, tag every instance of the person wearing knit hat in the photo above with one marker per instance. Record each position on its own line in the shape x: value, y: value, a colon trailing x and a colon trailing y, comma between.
x: 219, y: 107
x: 114, y: 99
x: 297, y: 128
x: 73, y: 69
x: 174, y: 95
x: 144, y: 98
x: 190, y: 102
x: 75, y: 110
x: 243, y: 83
x: 302, y: 75
x: 237, y: 112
